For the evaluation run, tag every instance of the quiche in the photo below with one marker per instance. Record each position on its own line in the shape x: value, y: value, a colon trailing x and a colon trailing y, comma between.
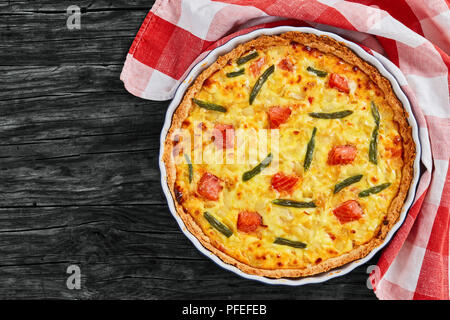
x: 325, y: 156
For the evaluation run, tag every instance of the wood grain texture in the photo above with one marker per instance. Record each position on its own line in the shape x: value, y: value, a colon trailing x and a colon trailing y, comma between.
x: 79, y: 174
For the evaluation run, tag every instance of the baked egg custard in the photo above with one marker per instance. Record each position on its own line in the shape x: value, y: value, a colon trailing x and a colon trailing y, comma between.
x: 289, y: 156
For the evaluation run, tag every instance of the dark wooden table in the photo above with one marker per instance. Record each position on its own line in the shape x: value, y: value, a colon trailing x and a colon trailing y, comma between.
x: 79, y: 177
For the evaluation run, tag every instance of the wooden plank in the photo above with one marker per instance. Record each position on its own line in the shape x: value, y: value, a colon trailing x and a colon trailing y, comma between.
x: 77, y: 144
x: 51, y: 5
x: 80, y: 149
x: 106, y: 33
x: 53, y: 81
x: 128, y: 252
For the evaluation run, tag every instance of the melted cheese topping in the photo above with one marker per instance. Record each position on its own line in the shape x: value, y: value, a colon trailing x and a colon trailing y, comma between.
x: 303, y: 92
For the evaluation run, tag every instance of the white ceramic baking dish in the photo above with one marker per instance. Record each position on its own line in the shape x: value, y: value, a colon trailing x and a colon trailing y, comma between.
x: 227, y: 47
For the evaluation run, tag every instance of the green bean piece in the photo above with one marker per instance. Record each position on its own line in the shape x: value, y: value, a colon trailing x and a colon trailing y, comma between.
x: 310, y: 150
x: 219, y: 226
x: 235, y: 73
x: 317, y: 72
x: 190, y: 167
x: 290, y: 243
x: 256, y: 170
x: 331, y: 115
x: 293, y: 203
x: 375, y: 113
x: 373, y: 190
x: 259, y: 83
x: 247, y: 58
x: 373, y: 146
x: 374, y: 140
x: 209, y: 105
x: 345, y: 183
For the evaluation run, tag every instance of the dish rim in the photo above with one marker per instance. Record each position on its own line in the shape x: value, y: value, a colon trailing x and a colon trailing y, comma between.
x: 210, y: 58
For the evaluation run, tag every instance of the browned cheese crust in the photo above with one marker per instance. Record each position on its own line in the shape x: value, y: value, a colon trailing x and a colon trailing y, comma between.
x: 329, y: 46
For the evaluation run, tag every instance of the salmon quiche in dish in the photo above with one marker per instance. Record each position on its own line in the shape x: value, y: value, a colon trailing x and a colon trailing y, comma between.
x: 289, y: 156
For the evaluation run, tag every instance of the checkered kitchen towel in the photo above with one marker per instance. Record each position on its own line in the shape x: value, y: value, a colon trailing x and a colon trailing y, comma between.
x: 413, y: 34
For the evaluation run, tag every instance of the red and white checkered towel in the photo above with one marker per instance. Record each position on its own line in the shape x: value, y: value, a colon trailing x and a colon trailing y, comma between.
x: 413, y: 34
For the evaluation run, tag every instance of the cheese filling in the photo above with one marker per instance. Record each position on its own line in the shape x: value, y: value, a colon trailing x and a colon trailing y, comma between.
x: 292, y: 85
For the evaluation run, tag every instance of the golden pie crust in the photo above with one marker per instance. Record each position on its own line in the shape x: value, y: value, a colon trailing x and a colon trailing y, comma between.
x: 325, y: 45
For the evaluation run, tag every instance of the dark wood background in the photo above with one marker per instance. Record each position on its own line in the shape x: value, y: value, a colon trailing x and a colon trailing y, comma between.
x: 79, y: 177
